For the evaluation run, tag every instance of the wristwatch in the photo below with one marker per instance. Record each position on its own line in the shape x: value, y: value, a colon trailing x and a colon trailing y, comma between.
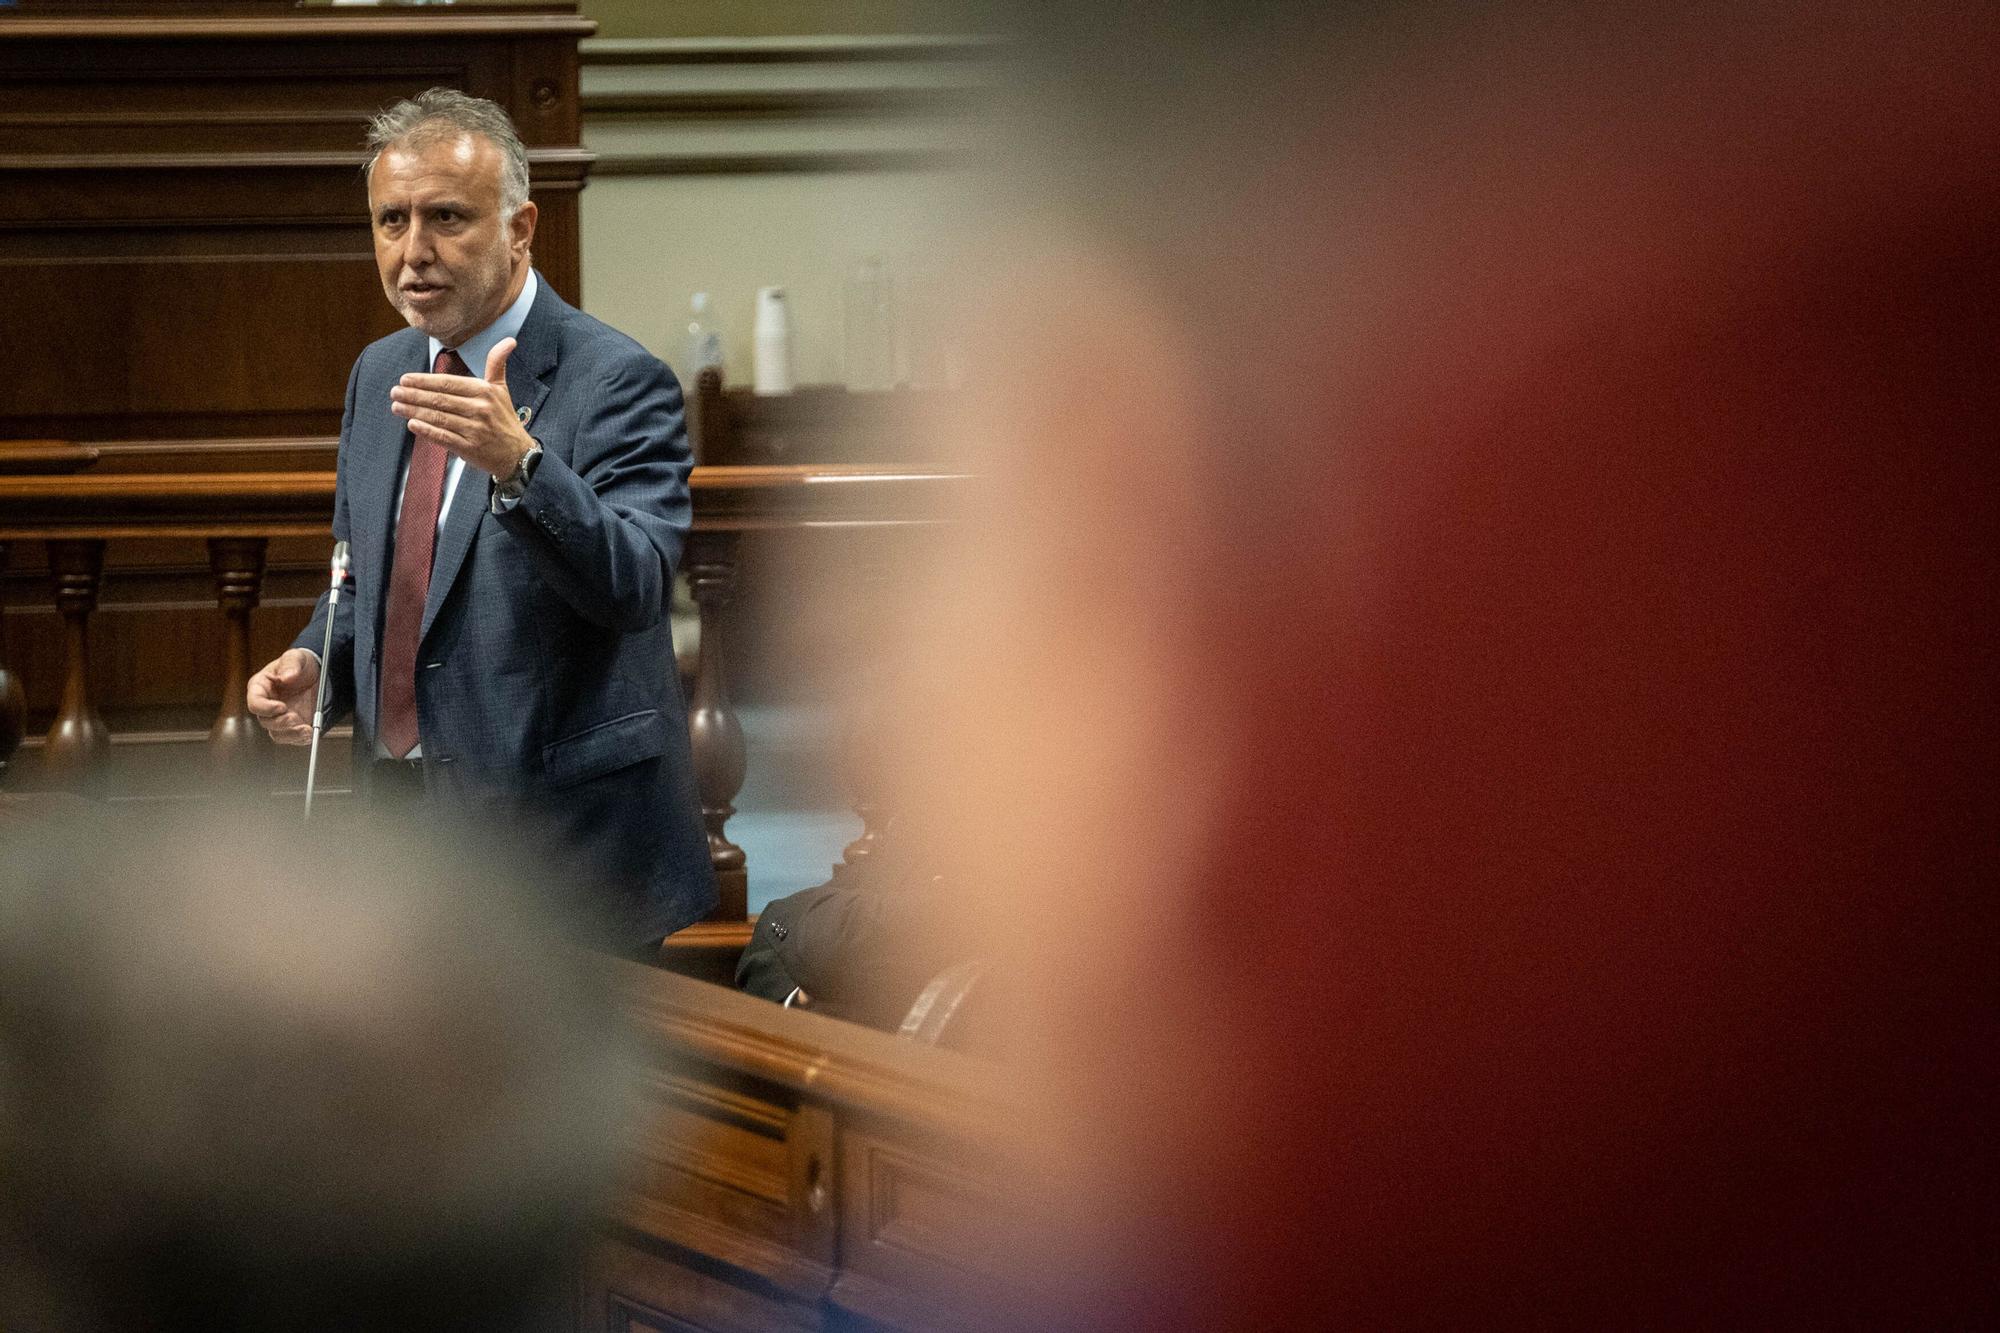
x: 515, y: 484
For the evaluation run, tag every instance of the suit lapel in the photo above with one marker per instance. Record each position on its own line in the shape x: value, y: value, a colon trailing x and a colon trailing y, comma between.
x: 534, y: 357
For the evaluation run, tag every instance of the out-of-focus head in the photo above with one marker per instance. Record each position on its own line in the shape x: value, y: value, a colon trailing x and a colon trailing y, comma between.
x: 259, y: 1077
x: 1467, y: 699
x: 448, y: 204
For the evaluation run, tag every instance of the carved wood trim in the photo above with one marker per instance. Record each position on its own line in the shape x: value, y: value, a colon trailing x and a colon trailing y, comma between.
x: 757, y: 164
x: 811, y: 495
x: 546, y: 159
x: 714, y: 733
x: 189, y: 736
x: 13, y: 700
x: 294, y: 25
x: 213, y: 504
x: 219, y: 504
x: 801, y: 103
x: 77, y: 739
x: 897, y: 48
x: 714, y: 935
x: 237, y: 744
x: 855, y: 1067
x: 753, y: 1113
x: 774, y: 1261
x: 684, y: 1155
x: 30, y: 456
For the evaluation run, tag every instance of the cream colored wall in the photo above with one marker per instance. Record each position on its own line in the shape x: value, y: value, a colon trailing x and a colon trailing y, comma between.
x: 649, y: 244
x: 695, y: 191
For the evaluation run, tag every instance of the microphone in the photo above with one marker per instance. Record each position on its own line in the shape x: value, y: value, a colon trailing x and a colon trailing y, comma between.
x: 343, y: 570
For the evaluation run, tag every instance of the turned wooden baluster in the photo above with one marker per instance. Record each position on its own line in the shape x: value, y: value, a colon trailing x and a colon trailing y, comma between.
x: 708, y: 420
x: 713, y: 729
x: 236, y: 744
x: 13, y: 705
x: 78, y: 742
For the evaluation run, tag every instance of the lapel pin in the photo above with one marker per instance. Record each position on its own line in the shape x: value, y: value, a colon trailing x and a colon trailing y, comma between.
x: 524, y: 413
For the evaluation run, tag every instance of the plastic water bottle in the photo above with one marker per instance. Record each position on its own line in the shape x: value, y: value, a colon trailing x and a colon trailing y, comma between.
x: 871, y: 328
x: 704, y: 338
x: 774, y: 342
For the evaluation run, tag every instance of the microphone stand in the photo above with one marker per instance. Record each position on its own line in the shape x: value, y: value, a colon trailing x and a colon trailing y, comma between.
x: 341, y: 565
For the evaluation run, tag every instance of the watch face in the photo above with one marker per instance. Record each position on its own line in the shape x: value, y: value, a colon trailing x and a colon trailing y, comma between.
x: 523, y: 470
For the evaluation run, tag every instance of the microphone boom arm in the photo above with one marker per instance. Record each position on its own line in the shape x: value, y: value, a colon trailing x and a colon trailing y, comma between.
x: 341, y: 566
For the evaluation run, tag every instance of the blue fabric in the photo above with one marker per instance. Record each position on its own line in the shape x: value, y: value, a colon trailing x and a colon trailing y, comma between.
x: 545, y: 675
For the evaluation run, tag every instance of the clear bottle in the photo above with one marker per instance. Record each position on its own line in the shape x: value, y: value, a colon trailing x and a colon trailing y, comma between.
x: 704, y: 339
x: 871, y: 327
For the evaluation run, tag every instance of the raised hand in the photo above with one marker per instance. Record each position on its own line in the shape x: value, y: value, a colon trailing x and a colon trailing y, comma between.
x: 473, y: 418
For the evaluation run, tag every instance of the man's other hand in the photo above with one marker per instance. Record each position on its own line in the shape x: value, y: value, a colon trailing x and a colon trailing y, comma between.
x: 281, y: 696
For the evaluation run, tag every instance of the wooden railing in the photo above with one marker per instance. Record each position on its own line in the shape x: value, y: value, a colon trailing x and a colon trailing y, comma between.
x: 237, y: 515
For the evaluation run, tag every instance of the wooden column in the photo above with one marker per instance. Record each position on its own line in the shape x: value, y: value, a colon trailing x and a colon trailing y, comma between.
x: 713, y: 729
x: 13, y: 704
x: 236, y: 744
x: 78, y: 742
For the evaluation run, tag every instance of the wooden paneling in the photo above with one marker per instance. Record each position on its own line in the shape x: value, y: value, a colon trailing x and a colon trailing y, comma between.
x: 917, y: 1231
x: 633, y: 1286
x: 889, y: 1211
x: 186, y: 192
x: 158, y: 377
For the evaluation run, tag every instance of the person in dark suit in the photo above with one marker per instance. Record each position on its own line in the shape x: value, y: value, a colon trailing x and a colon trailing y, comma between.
x: 860, y: 951
x: 510, y: 652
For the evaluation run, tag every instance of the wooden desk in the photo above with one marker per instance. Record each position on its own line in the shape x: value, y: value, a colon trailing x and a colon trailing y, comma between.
x: 802, y: 1173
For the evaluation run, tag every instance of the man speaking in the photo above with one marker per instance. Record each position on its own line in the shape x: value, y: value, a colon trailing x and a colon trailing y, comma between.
x: 513, y: 484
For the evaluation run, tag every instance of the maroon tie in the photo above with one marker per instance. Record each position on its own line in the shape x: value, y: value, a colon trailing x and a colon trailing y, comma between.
x: 410, y: 580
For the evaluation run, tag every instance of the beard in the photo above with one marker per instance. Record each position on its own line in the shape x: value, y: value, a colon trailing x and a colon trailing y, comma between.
x: 474, y: 295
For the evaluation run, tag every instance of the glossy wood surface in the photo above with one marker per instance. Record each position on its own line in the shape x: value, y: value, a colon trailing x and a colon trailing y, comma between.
x: 815, y: 423
x: 805, y: 1173
x: 134, y: 504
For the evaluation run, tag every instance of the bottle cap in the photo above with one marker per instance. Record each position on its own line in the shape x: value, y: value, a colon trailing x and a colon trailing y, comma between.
x: 773, y: 311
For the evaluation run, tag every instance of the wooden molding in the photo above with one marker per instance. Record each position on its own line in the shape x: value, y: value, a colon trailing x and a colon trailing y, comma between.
x: 862, y: 1069
x: 829, y: 50
x: 299, y: 503
x: 297, y: 24
x: 793, y: 103
x: 752, y: 164
x: 545, y: 159
x: 824, y: 495
x: 712, y: 935
x: 775, y: 1262
x: 30, y: 456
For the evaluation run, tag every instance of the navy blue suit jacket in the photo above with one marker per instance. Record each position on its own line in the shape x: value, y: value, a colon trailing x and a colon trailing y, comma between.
x: 545, y: 674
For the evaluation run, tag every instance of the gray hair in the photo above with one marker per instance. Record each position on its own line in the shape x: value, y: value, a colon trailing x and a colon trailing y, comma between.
x: 445, y: 113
